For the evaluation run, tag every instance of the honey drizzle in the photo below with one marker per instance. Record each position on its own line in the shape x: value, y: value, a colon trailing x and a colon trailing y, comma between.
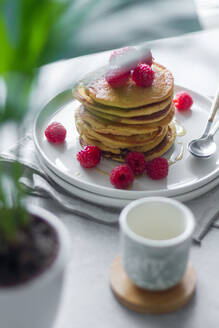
x: 180, y: 129
x: 178, y: 157
x: 102, y: 172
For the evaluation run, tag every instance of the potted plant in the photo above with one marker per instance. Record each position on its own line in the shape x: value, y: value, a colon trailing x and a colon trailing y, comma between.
x: 33, y: 242
x: 33, y: 258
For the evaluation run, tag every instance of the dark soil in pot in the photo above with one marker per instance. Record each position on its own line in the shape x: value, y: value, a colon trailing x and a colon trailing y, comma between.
x: 33, y: 252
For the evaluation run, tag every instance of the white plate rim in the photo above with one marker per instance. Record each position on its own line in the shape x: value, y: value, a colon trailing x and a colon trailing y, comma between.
x: 76, y: 191
x: 118, y: 202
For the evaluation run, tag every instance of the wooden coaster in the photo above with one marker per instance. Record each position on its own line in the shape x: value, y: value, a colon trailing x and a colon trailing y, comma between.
x: 144, y: 301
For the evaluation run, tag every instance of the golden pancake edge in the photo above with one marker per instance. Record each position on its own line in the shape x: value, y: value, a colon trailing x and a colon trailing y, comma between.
x: 81, y: 95
x: 131, y: 95
x: 157, y: 151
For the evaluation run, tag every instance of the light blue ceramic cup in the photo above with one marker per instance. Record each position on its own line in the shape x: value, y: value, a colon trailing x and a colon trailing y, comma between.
x: 155, y: 240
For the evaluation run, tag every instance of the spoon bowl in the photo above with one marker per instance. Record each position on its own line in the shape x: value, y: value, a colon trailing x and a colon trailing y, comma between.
x: 203, y: 147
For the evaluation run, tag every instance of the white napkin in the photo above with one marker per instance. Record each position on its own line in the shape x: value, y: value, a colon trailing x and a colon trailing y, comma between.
x: 37, y: 182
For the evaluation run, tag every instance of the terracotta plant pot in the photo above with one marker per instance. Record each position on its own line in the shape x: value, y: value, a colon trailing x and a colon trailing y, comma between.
x: 34, y: 304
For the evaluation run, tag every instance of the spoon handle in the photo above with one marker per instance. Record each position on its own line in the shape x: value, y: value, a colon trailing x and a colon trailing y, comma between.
x: 213, y: 110
x: 214, y: 129
x: 214, y: 106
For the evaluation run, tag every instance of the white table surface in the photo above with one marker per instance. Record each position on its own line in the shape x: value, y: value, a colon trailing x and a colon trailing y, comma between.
x: 87, y: 300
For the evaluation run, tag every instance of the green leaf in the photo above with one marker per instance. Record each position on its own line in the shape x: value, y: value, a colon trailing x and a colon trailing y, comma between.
x: 6, y: 52
x: 8, y: 224
x: 32, y: 32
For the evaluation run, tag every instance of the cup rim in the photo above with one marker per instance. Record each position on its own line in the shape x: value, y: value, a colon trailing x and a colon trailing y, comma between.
x: 190, y: 224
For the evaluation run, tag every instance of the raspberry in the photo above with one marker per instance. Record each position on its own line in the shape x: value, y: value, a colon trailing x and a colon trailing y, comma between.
x: 121, y: 176
x: 146, y: 57
x: 55, y: 133
x: 157, y: 168
x: 89, y: 156
x: 136, y: 161
x: 143, y: 75
x: 127, y: 58
x: 117, y: 77
x: 183, y: 101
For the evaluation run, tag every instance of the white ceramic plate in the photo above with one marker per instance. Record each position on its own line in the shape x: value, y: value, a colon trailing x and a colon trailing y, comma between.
x: 83, y: 194
x: 119, y: 202
x: 186, y: 175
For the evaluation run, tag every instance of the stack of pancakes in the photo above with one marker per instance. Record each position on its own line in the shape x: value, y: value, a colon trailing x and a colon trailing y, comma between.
x: 129, y: 118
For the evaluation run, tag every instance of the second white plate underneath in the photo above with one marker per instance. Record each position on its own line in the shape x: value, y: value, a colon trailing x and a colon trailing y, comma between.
x: 119, y: 202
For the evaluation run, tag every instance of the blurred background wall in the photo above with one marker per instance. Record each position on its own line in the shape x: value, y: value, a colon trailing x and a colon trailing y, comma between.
x: 115, y: 23
x: 89, y: 26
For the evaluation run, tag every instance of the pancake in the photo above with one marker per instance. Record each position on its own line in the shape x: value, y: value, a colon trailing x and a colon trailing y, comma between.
x: 134, y: 120
x: 119, y: 154
x: 84, y: 140
x: 131, y: 95
x: 165, y: 144
x: 116, y: 141
x: 108, y: 127
x: 81, y: 95
x: 147, y: 145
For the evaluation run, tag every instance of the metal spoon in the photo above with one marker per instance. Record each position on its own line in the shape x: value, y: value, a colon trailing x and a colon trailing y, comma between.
x: 205, y: 146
